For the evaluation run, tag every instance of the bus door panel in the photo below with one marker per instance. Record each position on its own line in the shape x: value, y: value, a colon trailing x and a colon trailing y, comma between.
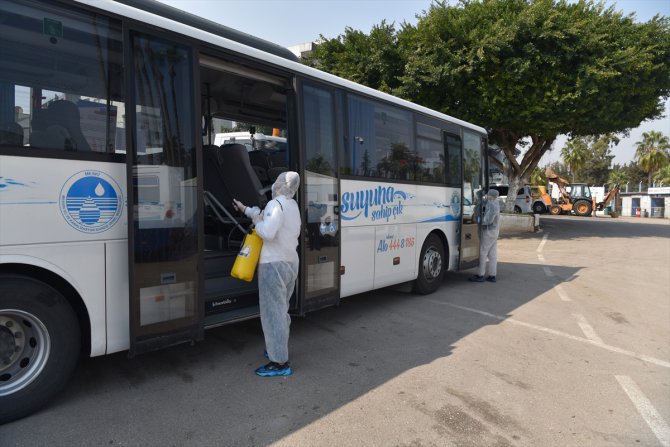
x: 320, y: 244
x: 474, y: 182
x: 164, y: 197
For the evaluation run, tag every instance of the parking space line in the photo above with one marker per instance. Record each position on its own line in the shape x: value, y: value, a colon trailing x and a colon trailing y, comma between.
x: 544, y: 241
x: 547, y: 271
x: 586, y: 328
x: 541, y: 257
x: 561, y: 293
x: 547, y: 330
x: 653, y: 419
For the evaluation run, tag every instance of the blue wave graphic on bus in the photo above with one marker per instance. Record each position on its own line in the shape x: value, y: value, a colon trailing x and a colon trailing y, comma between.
x: 379, y: 203
x: 7, y: 183
x: 446, y: 218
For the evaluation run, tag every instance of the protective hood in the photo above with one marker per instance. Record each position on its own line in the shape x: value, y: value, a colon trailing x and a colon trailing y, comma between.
x: 287, y: 184
x: 493, y: 193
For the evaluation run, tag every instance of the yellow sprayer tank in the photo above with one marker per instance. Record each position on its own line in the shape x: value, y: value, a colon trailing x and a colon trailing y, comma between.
x: 247, y: 259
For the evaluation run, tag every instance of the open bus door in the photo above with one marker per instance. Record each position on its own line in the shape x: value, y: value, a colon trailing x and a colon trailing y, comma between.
x: 475, y: 175
x: 164, y: 196
x: 320, y: 199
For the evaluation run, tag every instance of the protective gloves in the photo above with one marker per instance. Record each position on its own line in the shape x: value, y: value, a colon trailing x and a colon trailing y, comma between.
x: 239, y: 205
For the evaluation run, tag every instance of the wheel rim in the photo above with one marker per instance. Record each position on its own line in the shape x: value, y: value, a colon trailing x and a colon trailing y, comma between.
x: 432, y: 264
x: 24, y: 349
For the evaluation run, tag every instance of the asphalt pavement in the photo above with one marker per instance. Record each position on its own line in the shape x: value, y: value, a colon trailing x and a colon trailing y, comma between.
x: 571, y: 347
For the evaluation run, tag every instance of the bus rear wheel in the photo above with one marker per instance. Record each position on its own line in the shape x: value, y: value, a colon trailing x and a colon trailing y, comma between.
x: 432, y: 264
x: 39, y: 345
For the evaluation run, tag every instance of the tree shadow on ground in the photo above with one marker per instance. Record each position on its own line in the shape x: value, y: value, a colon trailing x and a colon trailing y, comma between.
x: 207, y: 394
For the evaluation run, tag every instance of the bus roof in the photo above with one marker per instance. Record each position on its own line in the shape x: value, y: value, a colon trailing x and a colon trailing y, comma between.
x: 153, y: 13
x: 195, y: 21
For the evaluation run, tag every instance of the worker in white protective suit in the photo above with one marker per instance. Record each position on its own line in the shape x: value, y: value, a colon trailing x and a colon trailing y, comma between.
x: 279, y: 227
x: 489, y: 227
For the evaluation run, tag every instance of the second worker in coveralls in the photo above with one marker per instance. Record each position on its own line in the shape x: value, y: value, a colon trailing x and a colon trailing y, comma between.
x: 489, y: 227
x: 279, y: 227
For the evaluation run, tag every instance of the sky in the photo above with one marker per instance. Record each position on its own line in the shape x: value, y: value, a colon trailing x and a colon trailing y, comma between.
x: 292, y: 22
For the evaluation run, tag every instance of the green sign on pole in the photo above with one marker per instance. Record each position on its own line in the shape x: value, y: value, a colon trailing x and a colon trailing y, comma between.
x: 53, y: 28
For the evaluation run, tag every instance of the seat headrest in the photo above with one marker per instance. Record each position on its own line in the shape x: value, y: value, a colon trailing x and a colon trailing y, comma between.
x: 11, y: 133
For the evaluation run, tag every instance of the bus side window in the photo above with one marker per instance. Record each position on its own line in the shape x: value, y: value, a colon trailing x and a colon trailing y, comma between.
x: 61, y: 79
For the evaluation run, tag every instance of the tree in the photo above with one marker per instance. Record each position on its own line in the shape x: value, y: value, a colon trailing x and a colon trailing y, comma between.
x: 597, y: 167
x: 652, y: 152
x: 630, y: 174
x: 589, y: 158
x: 537, y: 177
x: 662, y: 177
x: 618, y: 177
x: 536, y: 69
x: 530, y: 70
x: 369, y: 59
x: 574, y: 154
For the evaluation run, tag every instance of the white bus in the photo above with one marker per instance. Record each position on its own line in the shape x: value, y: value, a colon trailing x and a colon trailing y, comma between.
x: 116, y: 225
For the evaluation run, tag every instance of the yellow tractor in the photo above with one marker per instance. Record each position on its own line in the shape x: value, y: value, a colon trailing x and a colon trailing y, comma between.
x: 579, y: 200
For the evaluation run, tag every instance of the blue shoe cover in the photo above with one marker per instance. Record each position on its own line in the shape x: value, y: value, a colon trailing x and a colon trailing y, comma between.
x: 476, y: 278
x: 274, y: 369
x: 491, y: 278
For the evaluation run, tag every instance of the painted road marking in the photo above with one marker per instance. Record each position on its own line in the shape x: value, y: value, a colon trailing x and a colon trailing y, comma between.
x: 646, y: 410
x: 547, y: 330
x: 541, y: 257
x: 561, y: 293
x: 586, y: 328
x: 547, y: 271
x: 544, y: 241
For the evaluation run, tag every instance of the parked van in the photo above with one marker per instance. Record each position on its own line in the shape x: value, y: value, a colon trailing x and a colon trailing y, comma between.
x: 523, y: 198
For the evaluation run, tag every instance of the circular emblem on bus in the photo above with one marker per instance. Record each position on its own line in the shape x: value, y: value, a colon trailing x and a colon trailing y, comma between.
x: 91, y: 201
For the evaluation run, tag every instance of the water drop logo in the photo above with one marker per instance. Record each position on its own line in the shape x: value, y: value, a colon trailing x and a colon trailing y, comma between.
x: 91, y: 201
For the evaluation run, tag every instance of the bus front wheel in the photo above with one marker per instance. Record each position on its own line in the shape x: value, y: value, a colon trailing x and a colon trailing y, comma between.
x: 39, y: 345
x: 432, y: 264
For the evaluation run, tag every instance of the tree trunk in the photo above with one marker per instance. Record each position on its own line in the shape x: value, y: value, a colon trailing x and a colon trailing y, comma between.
x: 519, y: 173
x: 515, y: 183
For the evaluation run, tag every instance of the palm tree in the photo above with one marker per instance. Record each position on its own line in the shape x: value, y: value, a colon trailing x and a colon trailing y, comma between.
x: 537, y: 177
x: 575, y: 153
x: 618, y: 176
x: 653, y: 152
x: 662, y: 177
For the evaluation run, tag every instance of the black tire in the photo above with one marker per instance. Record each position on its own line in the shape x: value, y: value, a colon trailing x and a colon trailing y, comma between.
x: 39, y: 345
x: 432, y: 264
x: 582, y: 208
x: 517, y: 209
x: 539, y: 208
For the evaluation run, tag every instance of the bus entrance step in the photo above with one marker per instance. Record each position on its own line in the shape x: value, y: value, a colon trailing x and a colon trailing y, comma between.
x: 244, y: 313
x: 227, y: 293
x: 219, y: 263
